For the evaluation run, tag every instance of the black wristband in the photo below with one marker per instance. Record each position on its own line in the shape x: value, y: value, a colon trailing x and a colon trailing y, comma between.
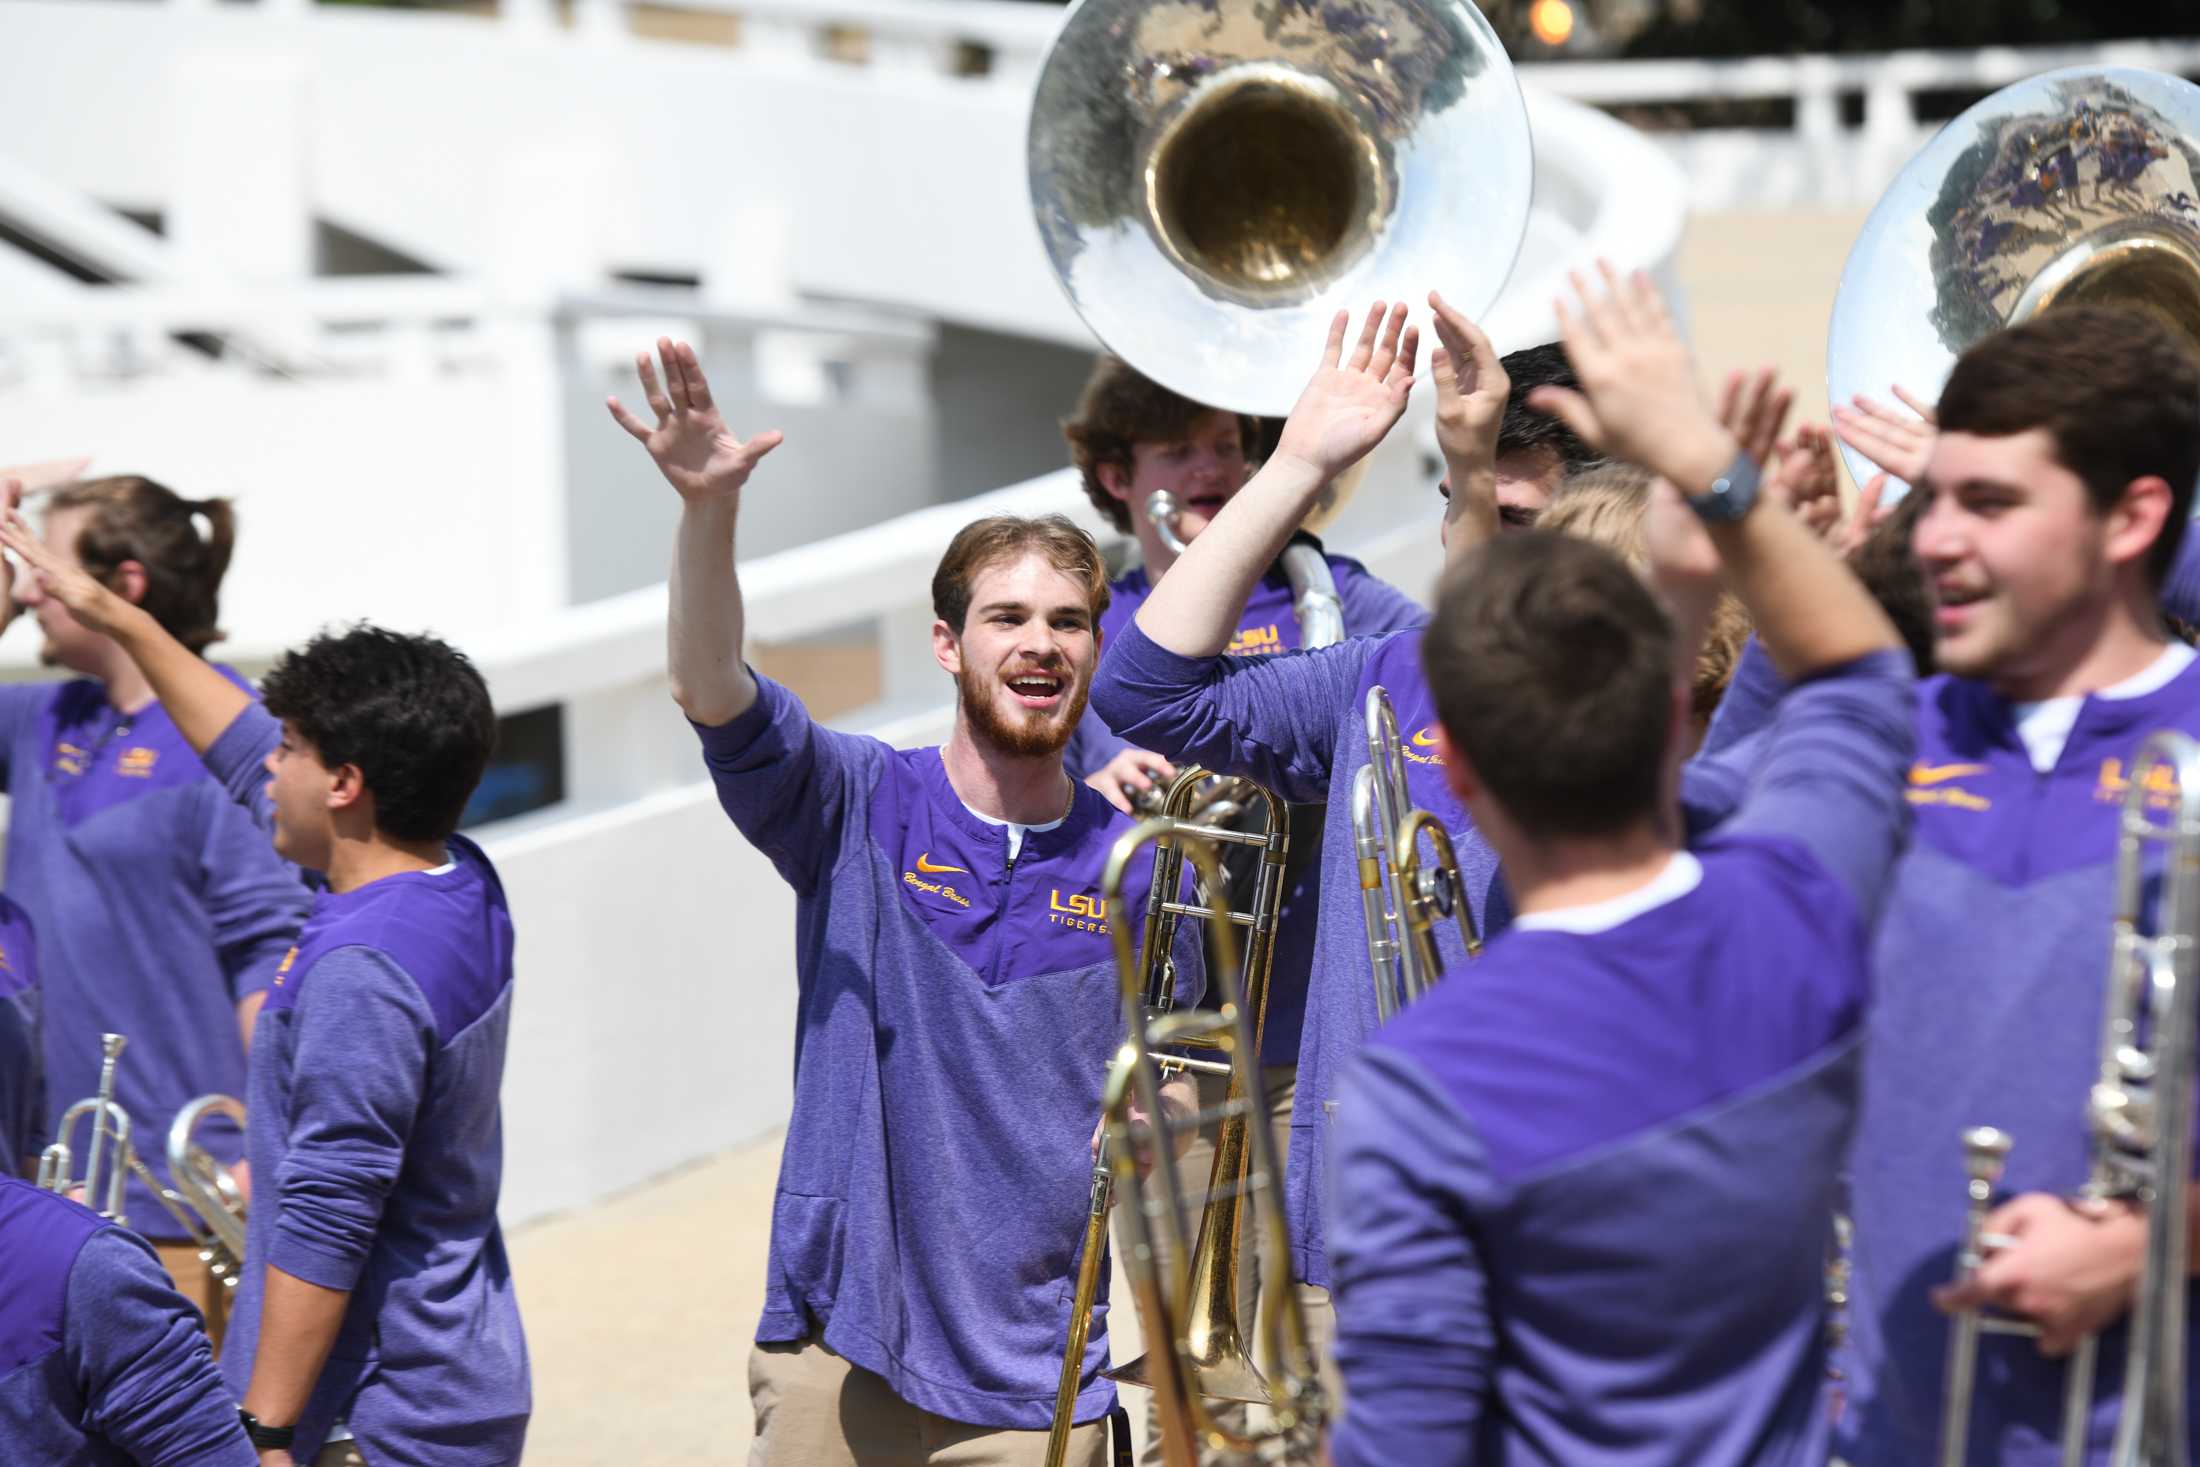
x: 265, y: 1438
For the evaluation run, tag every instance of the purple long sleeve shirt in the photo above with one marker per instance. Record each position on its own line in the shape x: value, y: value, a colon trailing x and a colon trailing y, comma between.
x: 377, y: 1145
x: 23, y: 1126
x: 102, y: 1362
x: 1991, y: 979
x: 158, y: 906
x: 1583, y: 1191
x: 1269, y: 624
x: 956, y: 1013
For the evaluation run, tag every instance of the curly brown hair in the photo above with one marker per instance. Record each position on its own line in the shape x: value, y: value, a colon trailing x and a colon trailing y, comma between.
x: 1120, y: 409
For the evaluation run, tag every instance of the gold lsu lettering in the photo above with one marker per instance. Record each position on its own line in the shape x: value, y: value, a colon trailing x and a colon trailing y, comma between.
x: 137, y: 763
x: 936, y: 888
x: 1253, y: 641
x: 2115, y: 784
x: 1081, y: 913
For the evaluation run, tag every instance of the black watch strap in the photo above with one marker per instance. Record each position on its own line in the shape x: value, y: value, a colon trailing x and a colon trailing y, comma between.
x: 265, y: 1438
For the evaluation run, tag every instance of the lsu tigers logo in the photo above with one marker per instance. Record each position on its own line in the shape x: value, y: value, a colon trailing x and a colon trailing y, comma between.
x: 2115, y: 783
x: 1080, y: 912
x: 1253, y: 641
x: 137, y: 763
x: 1421, y: 747
x: 1929, y: 785
x: 282, y: 972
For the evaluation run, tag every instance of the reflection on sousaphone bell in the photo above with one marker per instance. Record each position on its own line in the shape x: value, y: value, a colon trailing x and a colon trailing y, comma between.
x: 1214, y: 179
x: 2079, y: 186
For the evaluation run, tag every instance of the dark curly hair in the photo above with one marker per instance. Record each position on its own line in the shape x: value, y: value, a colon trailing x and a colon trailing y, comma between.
x: 411, y: 712
x: 1120, y: 409
x: 1524, y: 430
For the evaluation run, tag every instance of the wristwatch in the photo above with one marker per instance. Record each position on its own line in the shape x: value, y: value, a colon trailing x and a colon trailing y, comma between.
x: 265, y: 1438
x: 1731, y: 494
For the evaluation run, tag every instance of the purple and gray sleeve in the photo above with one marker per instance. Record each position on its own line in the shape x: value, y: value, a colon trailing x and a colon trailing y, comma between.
x: 788, y: 783
x: 1372, y: 607
x: 140, y: 1354
x: 362, y: 1035
x: 238, y: 760
x: 1415, y: 1341
x: 1834, y: 768
x: 1752, y: 699
x: 1271, y: 719
x: 1091, y: 746
x: 19, y: 704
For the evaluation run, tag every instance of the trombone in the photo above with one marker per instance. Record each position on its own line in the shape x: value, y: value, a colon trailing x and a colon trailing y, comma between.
x: 1197, y: 1349
x: 206, y: 1200
x: 2139, y: 1112
x: 1403, y: 895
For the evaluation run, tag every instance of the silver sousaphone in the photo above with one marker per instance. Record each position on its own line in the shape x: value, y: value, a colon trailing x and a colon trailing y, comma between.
x: 2079, y: 186
x: 1214, y: 179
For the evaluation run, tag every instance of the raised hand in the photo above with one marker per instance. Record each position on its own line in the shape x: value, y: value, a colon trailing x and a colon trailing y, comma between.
x: 1803, y: 478
x: 1639, y: 399
x: 1896, y: 442
x: 76, y: 588
x: 1471, y: 387
x: 694, y: 449
x: 1754, y: 407
x: 1353, y: 400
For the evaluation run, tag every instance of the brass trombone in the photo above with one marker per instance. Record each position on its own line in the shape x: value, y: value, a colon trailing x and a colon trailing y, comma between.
x: 205, y: 1201
x: 2140, y: 1114
x: 1403, y: 895
x: 1197, y: 1349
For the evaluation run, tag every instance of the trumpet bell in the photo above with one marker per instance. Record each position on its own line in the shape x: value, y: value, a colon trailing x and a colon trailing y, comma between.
x: 1214, y: 179
x: 2079, y: 186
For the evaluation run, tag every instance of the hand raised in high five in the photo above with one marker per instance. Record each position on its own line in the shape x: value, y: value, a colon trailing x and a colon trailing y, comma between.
x: 1639, y: 399
x: 1353, y: 399
x: 1471, y: 390
x: 697, y: 453
x: 1896, y: 442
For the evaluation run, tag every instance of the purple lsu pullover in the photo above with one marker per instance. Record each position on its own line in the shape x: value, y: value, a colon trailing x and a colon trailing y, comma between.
x: 377, y: 1145
x: 1269, y: 623
x: 956, y: 1012
x: 23, y: 1128
x: 157, y: 903
x: 1991, y: 979
x: 1541, y: 1164
x: 102, y: 1363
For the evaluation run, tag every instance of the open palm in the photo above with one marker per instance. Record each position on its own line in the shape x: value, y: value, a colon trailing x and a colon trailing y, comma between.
x: 1353, y: 398
x: 694, y: 449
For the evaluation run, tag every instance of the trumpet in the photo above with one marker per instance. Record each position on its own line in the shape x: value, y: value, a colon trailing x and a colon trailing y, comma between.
x: 2139, y: 1112
x: 206, y: 1200
x: 1403, y: 895
x: 1198, y: 1347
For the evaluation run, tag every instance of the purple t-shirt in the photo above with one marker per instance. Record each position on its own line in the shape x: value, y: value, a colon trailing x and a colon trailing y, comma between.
x: 102, y: 1363
x: 23, y: 1126
x: 377, y: 1145
x: 956, y: 1013
x: 1991, y: 980
x: 1540, y: 1164
x: 1268, y: 625
x: 158, y: 906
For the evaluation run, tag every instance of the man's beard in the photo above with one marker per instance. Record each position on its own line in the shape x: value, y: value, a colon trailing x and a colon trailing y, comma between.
x: 1025, y: 734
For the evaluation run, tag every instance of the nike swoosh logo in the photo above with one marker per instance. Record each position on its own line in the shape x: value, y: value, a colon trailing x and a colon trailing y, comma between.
x: 924, y: 864
x: 1425, y: 739
x: 1930, y: 774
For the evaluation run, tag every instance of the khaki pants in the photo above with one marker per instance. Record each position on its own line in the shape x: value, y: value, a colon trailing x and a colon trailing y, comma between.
x: 814, y: 1409
x: 189, y: 1273
x: 1254, y: 1294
